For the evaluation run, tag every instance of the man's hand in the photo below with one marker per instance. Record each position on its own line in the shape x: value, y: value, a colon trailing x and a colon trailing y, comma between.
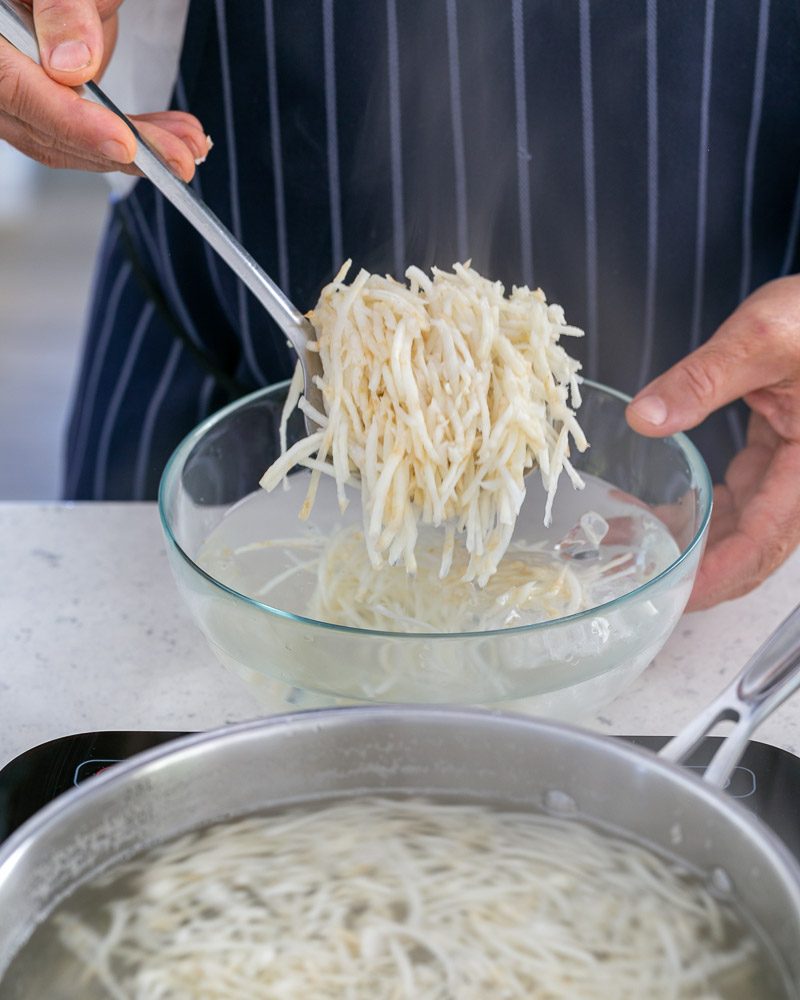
x: 755, y: 355
x: 44, y: 118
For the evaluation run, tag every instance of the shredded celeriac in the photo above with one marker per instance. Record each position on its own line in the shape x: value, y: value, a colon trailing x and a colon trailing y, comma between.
x: 440, y: 396
x: 382, y: 899
x: 531, y: 584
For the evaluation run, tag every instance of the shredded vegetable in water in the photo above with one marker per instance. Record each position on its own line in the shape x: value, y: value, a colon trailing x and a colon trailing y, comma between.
x: 531, y: 584
x: 440, y: 395
x: 380, y: 899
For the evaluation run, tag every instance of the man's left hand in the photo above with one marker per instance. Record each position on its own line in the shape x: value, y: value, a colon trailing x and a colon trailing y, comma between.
x: 754, y: 355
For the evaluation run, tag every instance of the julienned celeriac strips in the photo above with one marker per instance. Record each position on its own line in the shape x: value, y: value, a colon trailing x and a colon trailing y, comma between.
x: 440, y: 395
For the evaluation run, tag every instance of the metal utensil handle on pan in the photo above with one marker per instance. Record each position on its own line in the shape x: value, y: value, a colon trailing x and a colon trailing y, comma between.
x: 16, y: 25
x: 770, y: 676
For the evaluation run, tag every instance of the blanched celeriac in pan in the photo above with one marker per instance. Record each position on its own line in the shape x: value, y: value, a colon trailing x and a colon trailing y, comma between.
x: 383, y: 899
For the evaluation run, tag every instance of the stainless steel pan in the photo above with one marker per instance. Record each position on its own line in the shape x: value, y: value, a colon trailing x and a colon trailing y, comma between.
x: 512, y: 761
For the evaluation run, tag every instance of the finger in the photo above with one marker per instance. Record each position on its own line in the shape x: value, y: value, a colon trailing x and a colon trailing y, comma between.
x: 89, y: 131
x: 52, y: 154
x: 107, y: 11
x: 741, y: 357
x: 176, y: 153
x: 71, y: 41
x: 183, y: 126
x: 27, y: 93
x: 766, y: 532
x: 182, y: 117
x: 676, y: 517
x: 745, y: 475
x: 110, y: 31
x: 105, y: 8
x: 724, y: 516
x: 743, y: 478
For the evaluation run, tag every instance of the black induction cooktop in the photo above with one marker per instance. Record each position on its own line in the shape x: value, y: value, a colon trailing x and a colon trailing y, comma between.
x: 766, y: 781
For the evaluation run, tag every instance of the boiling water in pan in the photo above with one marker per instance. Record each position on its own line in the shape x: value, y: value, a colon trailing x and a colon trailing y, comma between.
x: 247, y: 552
x: 385, y: 898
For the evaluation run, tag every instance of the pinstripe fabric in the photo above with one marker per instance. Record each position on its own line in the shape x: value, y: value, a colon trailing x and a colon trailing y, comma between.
x: 89, y: 409
x: 457, y: 121
x: 233, y: 182
x: 523, y: 147
x: 589, y: 192
x: 331, y: 133
x: 395, y: 139
x: 81, y: 396
x: 137, y: 220
x: 734, y: 416
x: 794, y: 230
x: 275, y: 144
x: 155, y: 244
x: 213, y: 263
x: 752, y: 147
x: 168, y: 274
x: 143, y: 453
x: 109, y: 425
x: 204, y: 398
x: 702, y: 178
x: 652, y: 191
x: 645, y: 157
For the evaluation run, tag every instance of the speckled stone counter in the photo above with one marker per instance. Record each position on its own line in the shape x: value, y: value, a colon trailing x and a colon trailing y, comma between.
x: 93, y: 635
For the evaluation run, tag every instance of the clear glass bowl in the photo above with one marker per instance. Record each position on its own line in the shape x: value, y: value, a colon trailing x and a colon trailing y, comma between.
x: 562, y: 668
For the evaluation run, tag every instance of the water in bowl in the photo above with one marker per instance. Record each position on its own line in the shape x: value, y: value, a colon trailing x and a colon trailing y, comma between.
x: 601, y: 544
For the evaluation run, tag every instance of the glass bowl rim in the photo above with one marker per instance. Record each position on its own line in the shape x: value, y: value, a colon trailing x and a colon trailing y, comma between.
x: 694, y: 458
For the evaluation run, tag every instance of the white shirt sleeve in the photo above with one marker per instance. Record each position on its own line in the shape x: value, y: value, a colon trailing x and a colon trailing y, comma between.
x: 144, y: 67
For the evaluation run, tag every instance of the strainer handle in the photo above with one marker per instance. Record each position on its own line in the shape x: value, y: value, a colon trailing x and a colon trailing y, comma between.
x: 770, y: 676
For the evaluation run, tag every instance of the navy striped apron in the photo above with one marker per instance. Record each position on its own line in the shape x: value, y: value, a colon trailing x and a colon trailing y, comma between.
x: 638, y: 160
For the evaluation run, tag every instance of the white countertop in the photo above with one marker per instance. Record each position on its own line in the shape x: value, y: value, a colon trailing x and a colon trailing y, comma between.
x: 93, y: 636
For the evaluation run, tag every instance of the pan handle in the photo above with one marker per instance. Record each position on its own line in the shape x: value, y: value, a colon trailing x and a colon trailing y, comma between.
x: 770, y: 676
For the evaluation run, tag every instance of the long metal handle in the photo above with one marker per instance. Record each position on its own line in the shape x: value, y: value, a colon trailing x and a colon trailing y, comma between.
x: 16, y: 25
x: 770, y: 676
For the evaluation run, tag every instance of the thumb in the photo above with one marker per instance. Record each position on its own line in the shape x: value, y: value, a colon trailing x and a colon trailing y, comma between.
x: 70, y: 37
x: 729, y: 365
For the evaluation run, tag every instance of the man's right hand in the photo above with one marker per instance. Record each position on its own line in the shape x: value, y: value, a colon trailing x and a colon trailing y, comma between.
x: 44, y: 118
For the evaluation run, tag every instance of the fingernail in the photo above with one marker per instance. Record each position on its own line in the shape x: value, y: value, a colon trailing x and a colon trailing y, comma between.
x: 70, y: 56
x: 202, y: 158
x: 116, y: 151
x: 652, y: 409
